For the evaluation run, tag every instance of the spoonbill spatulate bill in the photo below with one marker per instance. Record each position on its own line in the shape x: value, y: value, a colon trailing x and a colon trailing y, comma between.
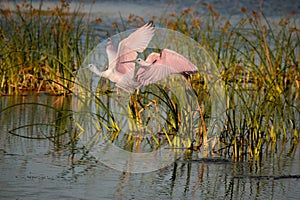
x: 122, y: 61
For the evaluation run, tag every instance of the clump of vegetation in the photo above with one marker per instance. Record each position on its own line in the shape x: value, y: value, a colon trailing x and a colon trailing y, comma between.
x: 40, y: 49
x: 258, y: 60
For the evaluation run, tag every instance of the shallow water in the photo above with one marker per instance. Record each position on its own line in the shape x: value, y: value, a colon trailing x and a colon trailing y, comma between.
x: 144, y: 7
x: 52, y: 168
x: 35, y: 167
x: 115, y: 10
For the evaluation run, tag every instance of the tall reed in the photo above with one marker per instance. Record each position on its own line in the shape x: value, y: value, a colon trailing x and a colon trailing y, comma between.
x: 41, y: 48
x: 259, y: 62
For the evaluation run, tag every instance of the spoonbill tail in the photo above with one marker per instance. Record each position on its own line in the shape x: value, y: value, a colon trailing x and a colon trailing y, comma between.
x: 120, y: 72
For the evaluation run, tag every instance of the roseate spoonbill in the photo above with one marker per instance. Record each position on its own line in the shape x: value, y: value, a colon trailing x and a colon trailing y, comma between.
x: 118, y: 71
x: 157, y: 66
x: 160, y: 65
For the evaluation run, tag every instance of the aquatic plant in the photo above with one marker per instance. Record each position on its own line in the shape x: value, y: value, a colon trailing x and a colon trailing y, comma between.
x: 40, y: 49
x: 258, y: 60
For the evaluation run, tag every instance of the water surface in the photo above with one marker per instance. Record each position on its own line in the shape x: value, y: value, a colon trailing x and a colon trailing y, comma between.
x: 37, y: 160
x: 36, y: 165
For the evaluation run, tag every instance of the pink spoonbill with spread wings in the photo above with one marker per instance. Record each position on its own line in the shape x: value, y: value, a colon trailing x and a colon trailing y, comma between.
x: 160, y: 65
x: 122, y: 62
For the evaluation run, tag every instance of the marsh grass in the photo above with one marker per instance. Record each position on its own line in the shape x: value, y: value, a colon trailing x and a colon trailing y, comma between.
x: 151, y: 118
x: 258, y: 60
x: 40, y: 49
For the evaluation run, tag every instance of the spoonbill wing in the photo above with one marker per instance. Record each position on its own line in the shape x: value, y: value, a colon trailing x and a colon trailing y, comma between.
x: 164, y: 64
x: 111, y: 52
x: 127, y: 83
x: 135, y: 42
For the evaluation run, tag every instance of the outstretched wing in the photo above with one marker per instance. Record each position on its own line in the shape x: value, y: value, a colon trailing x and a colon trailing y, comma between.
x: 111, y: 52
x: 128, y: 48
x: 127, y: 83
x: 167, y: 63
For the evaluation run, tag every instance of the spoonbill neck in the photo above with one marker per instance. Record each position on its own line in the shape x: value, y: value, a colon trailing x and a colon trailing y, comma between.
x: 143, y: 63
